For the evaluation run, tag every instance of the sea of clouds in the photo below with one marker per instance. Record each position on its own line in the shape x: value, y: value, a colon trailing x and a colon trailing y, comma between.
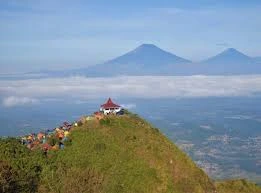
x: 33, y: 91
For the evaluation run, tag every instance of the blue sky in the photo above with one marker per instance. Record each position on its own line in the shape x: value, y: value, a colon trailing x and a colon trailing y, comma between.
x: 54, y: 34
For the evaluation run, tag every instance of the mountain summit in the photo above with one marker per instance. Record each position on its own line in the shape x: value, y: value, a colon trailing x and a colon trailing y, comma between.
x: 148, y: 54
x: 229, y: 56
x: 146, y: 59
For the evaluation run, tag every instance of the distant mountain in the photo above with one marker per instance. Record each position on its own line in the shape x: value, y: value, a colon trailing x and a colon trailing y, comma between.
x: 229, y: 56
x: 146, y: 59
x: 148, y: 55
x: 230, y: 62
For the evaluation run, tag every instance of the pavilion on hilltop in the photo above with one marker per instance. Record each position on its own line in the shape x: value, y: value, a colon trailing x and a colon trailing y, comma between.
x: 110, y: 107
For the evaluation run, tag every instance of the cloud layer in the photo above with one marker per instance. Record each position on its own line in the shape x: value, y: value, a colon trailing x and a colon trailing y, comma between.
x: 16, y: 92
x: 17, y: 101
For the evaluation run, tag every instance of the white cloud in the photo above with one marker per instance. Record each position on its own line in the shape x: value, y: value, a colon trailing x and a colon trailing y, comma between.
x: 129, y: 106
x: 16, y: 101
x: 82, y: 88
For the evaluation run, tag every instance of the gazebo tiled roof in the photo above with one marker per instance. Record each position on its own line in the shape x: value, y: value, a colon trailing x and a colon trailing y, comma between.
x: 110, y: 104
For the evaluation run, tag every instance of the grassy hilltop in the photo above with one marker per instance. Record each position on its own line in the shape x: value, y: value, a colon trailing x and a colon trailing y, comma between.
x: 116, y: 154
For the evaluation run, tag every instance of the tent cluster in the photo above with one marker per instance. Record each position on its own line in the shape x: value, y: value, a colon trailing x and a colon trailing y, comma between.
x: 55, y: 139
x: 51, y: 139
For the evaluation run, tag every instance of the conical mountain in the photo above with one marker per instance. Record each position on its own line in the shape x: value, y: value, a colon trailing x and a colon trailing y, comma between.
x: 148, y: 54
x: 229, y: 56
x: 147, y: 59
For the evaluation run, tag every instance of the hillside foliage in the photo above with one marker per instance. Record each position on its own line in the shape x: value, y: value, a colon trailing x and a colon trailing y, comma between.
x: 237, y: 186
x: 115, y: 155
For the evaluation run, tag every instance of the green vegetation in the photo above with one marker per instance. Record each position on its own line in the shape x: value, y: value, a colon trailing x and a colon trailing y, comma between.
x: 116, y: 154
x: 237, y: 186
x: 20, y: 168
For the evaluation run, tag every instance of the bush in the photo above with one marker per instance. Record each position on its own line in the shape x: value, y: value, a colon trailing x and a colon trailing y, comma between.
x: 7, y: 178
x: 105, y: 121
x: 79, y: 123
x: 20, y: 168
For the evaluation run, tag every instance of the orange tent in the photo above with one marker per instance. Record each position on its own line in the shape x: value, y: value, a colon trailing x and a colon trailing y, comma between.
x: 40, y: 136
x: 98, y: 115
x: 46, y: 146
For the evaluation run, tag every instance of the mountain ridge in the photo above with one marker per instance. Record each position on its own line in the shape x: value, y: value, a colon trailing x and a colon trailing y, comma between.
x: 229, y: 56
x: 148, y: 59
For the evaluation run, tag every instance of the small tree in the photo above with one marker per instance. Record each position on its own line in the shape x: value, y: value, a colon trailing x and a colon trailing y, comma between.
x: 7, y: 178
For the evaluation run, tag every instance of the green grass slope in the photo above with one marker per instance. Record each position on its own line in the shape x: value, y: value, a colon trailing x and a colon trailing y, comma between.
x: 237, y: 186
x: 125, y: 154
x: 120, y: 154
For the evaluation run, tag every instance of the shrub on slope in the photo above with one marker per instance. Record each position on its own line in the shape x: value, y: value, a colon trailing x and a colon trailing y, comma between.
x: 237, y: 186
x: 20, y: 168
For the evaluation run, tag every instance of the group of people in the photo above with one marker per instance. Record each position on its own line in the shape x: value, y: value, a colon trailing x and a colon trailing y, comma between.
x: 49, y: 139
x: 54, y: 139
